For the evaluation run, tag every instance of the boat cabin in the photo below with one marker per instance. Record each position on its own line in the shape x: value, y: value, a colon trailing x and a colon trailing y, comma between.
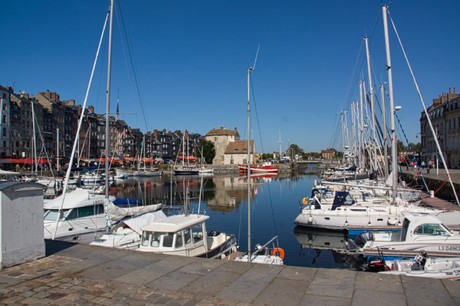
x: 422, y: 225
x: 416, y: 227
x: 179, y: 234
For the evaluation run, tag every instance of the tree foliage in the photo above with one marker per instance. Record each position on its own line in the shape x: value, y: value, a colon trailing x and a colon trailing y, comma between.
x: 209, y: 151
x: 294, y: 150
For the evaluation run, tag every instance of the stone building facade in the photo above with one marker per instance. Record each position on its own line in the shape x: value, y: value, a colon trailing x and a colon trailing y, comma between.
x: 221, y: 138
x: 444, y: 114
x: 56, y: 123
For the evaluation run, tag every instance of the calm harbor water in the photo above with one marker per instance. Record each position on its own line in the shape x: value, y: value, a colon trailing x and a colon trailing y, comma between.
x: 275, y: 203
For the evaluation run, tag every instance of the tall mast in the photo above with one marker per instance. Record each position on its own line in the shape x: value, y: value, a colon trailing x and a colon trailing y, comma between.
x: 385, y: 134
x: 361, y: 126
x: 342, y: 115
x: 394, y: 164
x: 249, y: 163
x: 57, y: 150
x: 371, y: 90
x: 34, y: 141
x: 107, y: 120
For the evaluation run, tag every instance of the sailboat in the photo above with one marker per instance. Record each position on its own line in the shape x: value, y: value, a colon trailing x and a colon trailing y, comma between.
x: 384, y: 213
x: 185, y: 169
x: 142, y: 171
x: 79, y: 214
x: 263, y: 254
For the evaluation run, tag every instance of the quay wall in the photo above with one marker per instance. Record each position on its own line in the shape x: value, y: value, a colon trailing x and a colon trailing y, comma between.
x: 283, y: 168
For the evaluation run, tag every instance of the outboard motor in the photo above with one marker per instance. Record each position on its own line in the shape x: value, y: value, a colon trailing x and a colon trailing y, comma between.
x: 419, y: 261
x: 362, y: 238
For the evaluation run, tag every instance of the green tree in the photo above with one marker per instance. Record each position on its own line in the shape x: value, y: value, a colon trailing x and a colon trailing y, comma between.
x: 415, y: 147
x: 209, y: 151
x: 266, y: 156
x: 293, y: 150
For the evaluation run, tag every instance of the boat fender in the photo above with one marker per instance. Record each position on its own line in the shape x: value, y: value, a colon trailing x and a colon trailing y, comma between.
x: 278, y: 252
x: 213, y: 233
x: 391, y: 221
x: 305, y: 201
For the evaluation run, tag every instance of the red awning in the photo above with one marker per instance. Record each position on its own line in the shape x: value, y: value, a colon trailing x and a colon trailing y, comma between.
x: 112, y: 160
x: 193, y: 158
x: 26, y: 161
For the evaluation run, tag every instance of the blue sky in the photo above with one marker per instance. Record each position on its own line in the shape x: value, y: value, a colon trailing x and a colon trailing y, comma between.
x: 191, y: 58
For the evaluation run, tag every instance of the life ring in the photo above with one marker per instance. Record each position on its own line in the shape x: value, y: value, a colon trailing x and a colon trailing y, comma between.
x: 278, y: 252
x: 305, y: 201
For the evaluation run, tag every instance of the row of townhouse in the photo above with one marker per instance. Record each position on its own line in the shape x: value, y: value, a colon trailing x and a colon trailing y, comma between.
x: 51, y: 124
x: 444, y: 114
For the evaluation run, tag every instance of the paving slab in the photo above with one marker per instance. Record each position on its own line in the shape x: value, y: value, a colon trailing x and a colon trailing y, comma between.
x: 309, y: 300
x: 282, y: 291
x: 421, y: 291
x: 378, y: 298
x: 72, y: 276
x: 250, y: 284
x: 154, y: 270
x: 379, y: 282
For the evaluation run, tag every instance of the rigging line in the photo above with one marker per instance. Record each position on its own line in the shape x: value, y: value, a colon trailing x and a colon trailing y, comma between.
x: 132, y: 63
x: 425, y: 109
x: 43, y: 146
x: 402, y: 129
x: 261, y: 143
x: 352, y: 87
x: 72, y: 155
x: 257, y: 116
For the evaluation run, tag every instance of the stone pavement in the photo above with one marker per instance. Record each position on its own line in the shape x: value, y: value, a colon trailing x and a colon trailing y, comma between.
x: 436, y: 174
x: 77, y: 274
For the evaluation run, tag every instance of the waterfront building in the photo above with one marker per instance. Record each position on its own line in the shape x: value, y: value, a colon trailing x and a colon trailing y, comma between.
x: 5, y: 136
x: 237, y: 153
x: 23, y: 111
x: 328, y: 154
x: 221, y: 138
x: 445, y: 117
x: 56, y: 125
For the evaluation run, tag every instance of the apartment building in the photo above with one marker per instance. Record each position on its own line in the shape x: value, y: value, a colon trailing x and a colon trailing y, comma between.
x: 444, y: 115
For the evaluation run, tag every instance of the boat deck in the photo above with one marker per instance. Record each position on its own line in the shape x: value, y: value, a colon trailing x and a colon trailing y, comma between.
x: 77, y: 274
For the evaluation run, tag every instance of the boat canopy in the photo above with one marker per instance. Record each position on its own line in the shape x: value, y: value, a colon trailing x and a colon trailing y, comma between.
x: 175, y: 223
x: 341, y: 198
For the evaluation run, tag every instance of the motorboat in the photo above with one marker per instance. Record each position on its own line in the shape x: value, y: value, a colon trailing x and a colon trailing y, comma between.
x: 425, y: 266
x: 265, y: 167
x: 127, y: 233
x: 419, y: 232
x: 82, y: 214
x: 185, y: 235
x: 264, y: 254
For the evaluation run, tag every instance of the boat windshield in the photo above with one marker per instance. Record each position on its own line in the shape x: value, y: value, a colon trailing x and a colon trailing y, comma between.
x: 431, y: 229
x: 51, y: 214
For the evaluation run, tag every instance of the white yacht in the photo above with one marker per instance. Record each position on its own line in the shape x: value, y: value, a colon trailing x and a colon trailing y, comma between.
x: 82, y: 214
x: 127, y: 233
x: 419, y: 232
